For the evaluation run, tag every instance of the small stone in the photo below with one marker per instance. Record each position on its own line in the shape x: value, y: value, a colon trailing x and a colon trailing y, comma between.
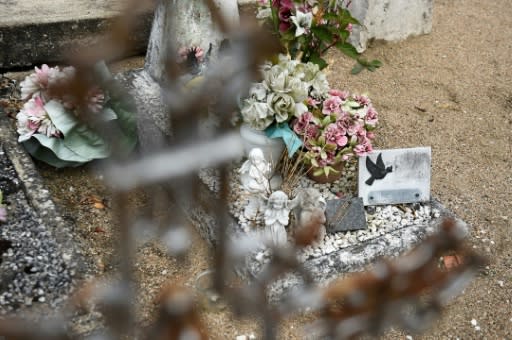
x: 242, y: 337
x: 473, y: 322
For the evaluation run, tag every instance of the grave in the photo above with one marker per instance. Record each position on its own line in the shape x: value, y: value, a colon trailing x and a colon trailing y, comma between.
x: 40, y: 260
x: 391, y: 230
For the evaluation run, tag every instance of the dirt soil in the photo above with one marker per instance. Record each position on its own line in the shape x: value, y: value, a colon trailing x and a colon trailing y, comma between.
x: 451, y: 90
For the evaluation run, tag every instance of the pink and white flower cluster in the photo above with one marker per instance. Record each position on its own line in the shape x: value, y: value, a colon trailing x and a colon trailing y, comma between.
x: 37, y: 91
x: 336, y: 129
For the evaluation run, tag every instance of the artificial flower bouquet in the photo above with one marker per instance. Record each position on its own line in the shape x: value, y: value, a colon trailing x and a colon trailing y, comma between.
x: 325, y: 126
x: 309, y: 28
x: 334, y: 130
x: 50, y: 125
x: 282, y: 94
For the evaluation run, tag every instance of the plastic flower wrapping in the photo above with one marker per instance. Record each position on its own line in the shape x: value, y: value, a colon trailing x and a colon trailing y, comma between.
x: 336, y: 129
x: 49, y: 124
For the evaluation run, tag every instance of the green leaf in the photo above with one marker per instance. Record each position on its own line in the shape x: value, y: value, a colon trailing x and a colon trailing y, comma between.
x: 44, y: 154
x: 347, y: 18
x: 318, y: 172
x: 358, y: 67
x: 78, y: 138
x: 347, y: 49
x: 126, y: 124
x: 316, y: 59
x: 85, y: 142
x: 57, y: 146
x: 322, y: 33
x: 344, y: 34
x: 376, y: 63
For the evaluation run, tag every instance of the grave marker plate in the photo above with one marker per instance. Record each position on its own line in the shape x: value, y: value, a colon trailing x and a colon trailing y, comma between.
x: 345, y: 214
x: 395, y: 176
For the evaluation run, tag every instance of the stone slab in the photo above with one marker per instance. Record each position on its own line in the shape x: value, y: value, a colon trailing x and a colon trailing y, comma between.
x: 33, y: 33
x: 37, y: 32
x: 356, y: 257
x: 401, y: 176
x: 345, y: 214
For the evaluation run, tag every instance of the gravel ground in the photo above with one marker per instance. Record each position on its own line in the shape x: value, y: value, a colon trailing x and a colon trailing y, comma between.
x: 450, y: 90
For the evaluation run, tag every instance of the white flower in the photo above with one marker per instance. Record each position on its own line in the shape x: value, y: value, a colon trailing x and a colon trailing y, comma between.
x: 302, y: 21
x: 258, y: 91
x: 319, y: 86
x: 257, y: 114
x: 300, y: 108
x: 297, y: 89
x: 282, y: 105
x: 275, y: 78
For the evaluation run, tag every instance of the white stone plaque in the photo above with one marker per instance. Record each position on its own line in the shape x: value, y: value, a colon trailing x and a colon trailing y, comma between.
x: 395, y: 176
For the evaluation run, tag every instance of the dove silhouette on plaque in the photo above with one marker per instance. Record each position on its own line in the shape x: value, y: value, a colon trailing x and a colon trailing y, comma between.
x: 377, y: 170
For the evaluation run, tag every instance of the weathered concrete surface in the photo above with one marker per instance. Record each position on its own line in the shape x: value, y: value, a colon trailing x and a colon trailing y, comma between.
x: 390, y: 20
x: 190, y: 24
x: 34, y: 32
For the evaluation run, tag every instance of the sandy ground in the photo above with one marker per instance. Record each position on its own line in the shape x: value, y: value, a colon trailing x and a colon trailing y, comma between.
x: 450, y: 90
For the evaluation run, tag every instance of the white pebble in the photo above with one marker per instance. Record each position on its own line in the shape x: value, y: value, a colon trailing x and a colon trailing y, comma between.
x: 473, y: 322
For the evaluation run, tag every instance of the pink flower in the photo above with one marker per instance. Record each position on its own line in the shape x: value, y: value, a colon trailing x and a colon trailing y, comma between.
x: 343, y: 95
x: 346, y: 157
x: 349, y: 28
x: 185, y: 53
x: 306, y: 127
x: 312, y: 102
x: 355, y: 130
x: 35, y: 107
x: 332, y: 105
x: 371, y: 116
x: 37, y: 82
x: 334, y: 135
x: 363, y: 148
x: 302, y: 122
x: 95, y: 100
x: 361, y: 99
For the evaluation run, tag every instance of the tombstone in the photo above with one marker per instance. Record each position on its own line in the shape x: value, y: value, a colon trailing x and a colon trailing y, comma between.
x: 390, y: 20
x: 345, y: 214
x: 176, y: 24
x: 395, y: 176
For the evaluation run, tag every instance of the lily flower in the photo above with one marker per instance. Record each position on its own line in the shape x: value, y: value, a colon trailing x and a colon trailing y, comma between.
x: 302, y: 22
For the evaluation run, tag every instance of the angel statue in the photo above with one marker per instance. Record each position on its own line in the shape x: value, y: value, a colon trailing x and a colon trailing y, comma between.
x: 309, y: 211
x: 277, y: 217
x: 254, y: 177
